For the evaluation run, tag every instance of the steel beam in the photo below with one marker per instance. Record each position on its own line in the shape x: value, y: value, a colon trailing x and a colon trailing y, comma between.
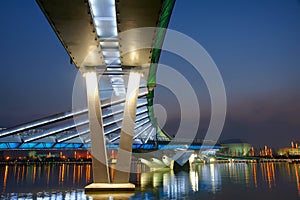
x: 40, y: 122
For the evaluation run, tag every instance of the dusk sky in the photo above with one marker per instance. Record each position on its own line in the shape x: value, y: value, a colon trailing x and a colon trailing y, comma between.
x: 255, y: 44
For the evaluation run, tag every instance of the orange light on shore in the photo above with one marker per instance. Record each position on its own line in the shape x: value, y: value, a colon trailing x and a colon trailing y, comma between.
x: 252, y: 151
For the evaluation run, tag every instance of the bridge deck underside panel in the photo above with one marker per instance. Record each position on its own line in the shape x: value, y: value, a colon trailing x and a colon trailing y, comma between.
x: 134, y: 14
x: 72, y: 22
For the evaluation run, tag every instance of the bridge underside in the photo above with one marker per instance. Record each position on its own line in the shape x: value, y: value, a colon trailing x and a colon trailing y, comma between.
x: 90, y: 32
x: 103, y: 39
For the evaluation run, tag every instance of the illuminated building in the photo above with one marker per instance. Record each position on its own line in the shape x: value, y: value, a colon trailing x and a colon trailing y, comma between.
x: 236, y: 147
x: 290, y: 151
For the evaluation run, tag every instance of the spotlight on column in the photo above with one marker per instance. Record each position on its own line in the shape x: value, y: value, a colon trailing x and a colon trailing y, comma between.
x: 91, y: 83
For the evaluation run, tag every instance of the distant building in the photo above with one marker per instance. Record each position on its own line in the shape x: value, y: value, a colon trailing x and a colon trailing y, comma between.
x: 294, y: 150
x: 236, y: 147
x: 287, y: 151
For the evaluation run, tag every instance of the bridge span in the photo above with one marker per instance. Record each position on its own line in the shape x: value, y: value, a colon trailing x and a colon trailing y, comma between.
x: 103, y: 40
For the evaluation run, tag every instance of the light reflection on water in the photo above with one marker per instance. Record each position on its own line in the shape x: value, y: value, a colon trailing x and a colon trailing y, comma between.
x: 206, y: 181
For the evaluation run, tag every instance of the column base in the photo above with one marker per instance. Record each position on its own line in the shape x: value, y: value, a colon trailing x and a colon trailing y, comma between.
x: 110, y: 187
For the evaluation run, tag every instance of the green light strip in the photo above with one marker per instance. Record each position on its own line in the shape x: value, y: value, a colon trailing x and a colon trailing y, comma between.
x: 164, y: 19
x: 163, y: 23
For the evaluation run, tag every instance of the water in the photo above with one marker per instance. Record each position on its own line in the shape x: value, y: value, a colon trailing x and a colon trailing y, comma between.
x: 204, y: 181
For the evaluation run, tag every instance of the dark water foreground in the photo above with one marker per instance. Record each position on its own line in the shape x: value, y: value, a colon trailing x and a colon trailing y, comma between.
x: 204, y: 181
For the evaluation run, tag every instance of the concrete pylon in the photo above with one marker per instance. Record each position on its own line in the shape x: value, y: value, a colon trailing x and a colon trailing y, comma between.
x: 123, y: 165
x: 98, y: 146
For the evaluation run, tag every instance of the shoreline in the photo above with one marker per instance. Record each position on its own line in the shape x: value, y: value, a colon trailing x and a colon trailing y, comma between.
x: 80, y: 162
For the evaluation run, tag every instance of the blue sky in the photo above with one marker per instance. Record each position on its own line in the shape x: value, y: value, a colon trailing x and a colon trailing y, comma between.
x: 255, y: 44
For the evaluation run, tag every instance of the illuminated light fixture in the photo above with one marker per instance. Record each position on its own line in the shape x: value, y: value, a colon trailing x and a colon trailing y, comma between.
x: 109, y: 44
x: 113, y: 69
x: 110, y: 49
x: 107, y: 33
x: 105, y: 21
x: 113, y: 54
x: 113, y: 61
x: 104, y: 16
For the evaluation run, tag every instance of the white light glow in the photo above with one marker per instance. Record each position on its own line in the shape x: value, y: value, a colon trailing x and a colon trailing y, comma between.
x: 109, y: 44
x: 105, y: 21
x: 91, y: 83
x: 113, y: 61
x: 115, y: 54
x: 114, y: 69
x: 104, y: 17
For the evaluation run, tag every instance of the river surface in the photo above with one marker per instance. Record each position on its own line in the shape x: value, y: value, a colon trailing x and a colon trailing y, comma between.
x: 204, y: 181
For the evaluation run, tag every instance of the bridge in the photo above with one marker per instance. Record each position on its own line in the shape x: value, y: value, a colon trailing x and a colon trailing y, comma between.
x: 103, y: 39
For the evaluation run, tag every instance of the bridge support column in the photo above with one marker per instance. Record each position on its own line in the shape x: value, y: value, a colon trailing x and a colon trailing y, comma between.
x: 123, y: 165
x: 98, y: 146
